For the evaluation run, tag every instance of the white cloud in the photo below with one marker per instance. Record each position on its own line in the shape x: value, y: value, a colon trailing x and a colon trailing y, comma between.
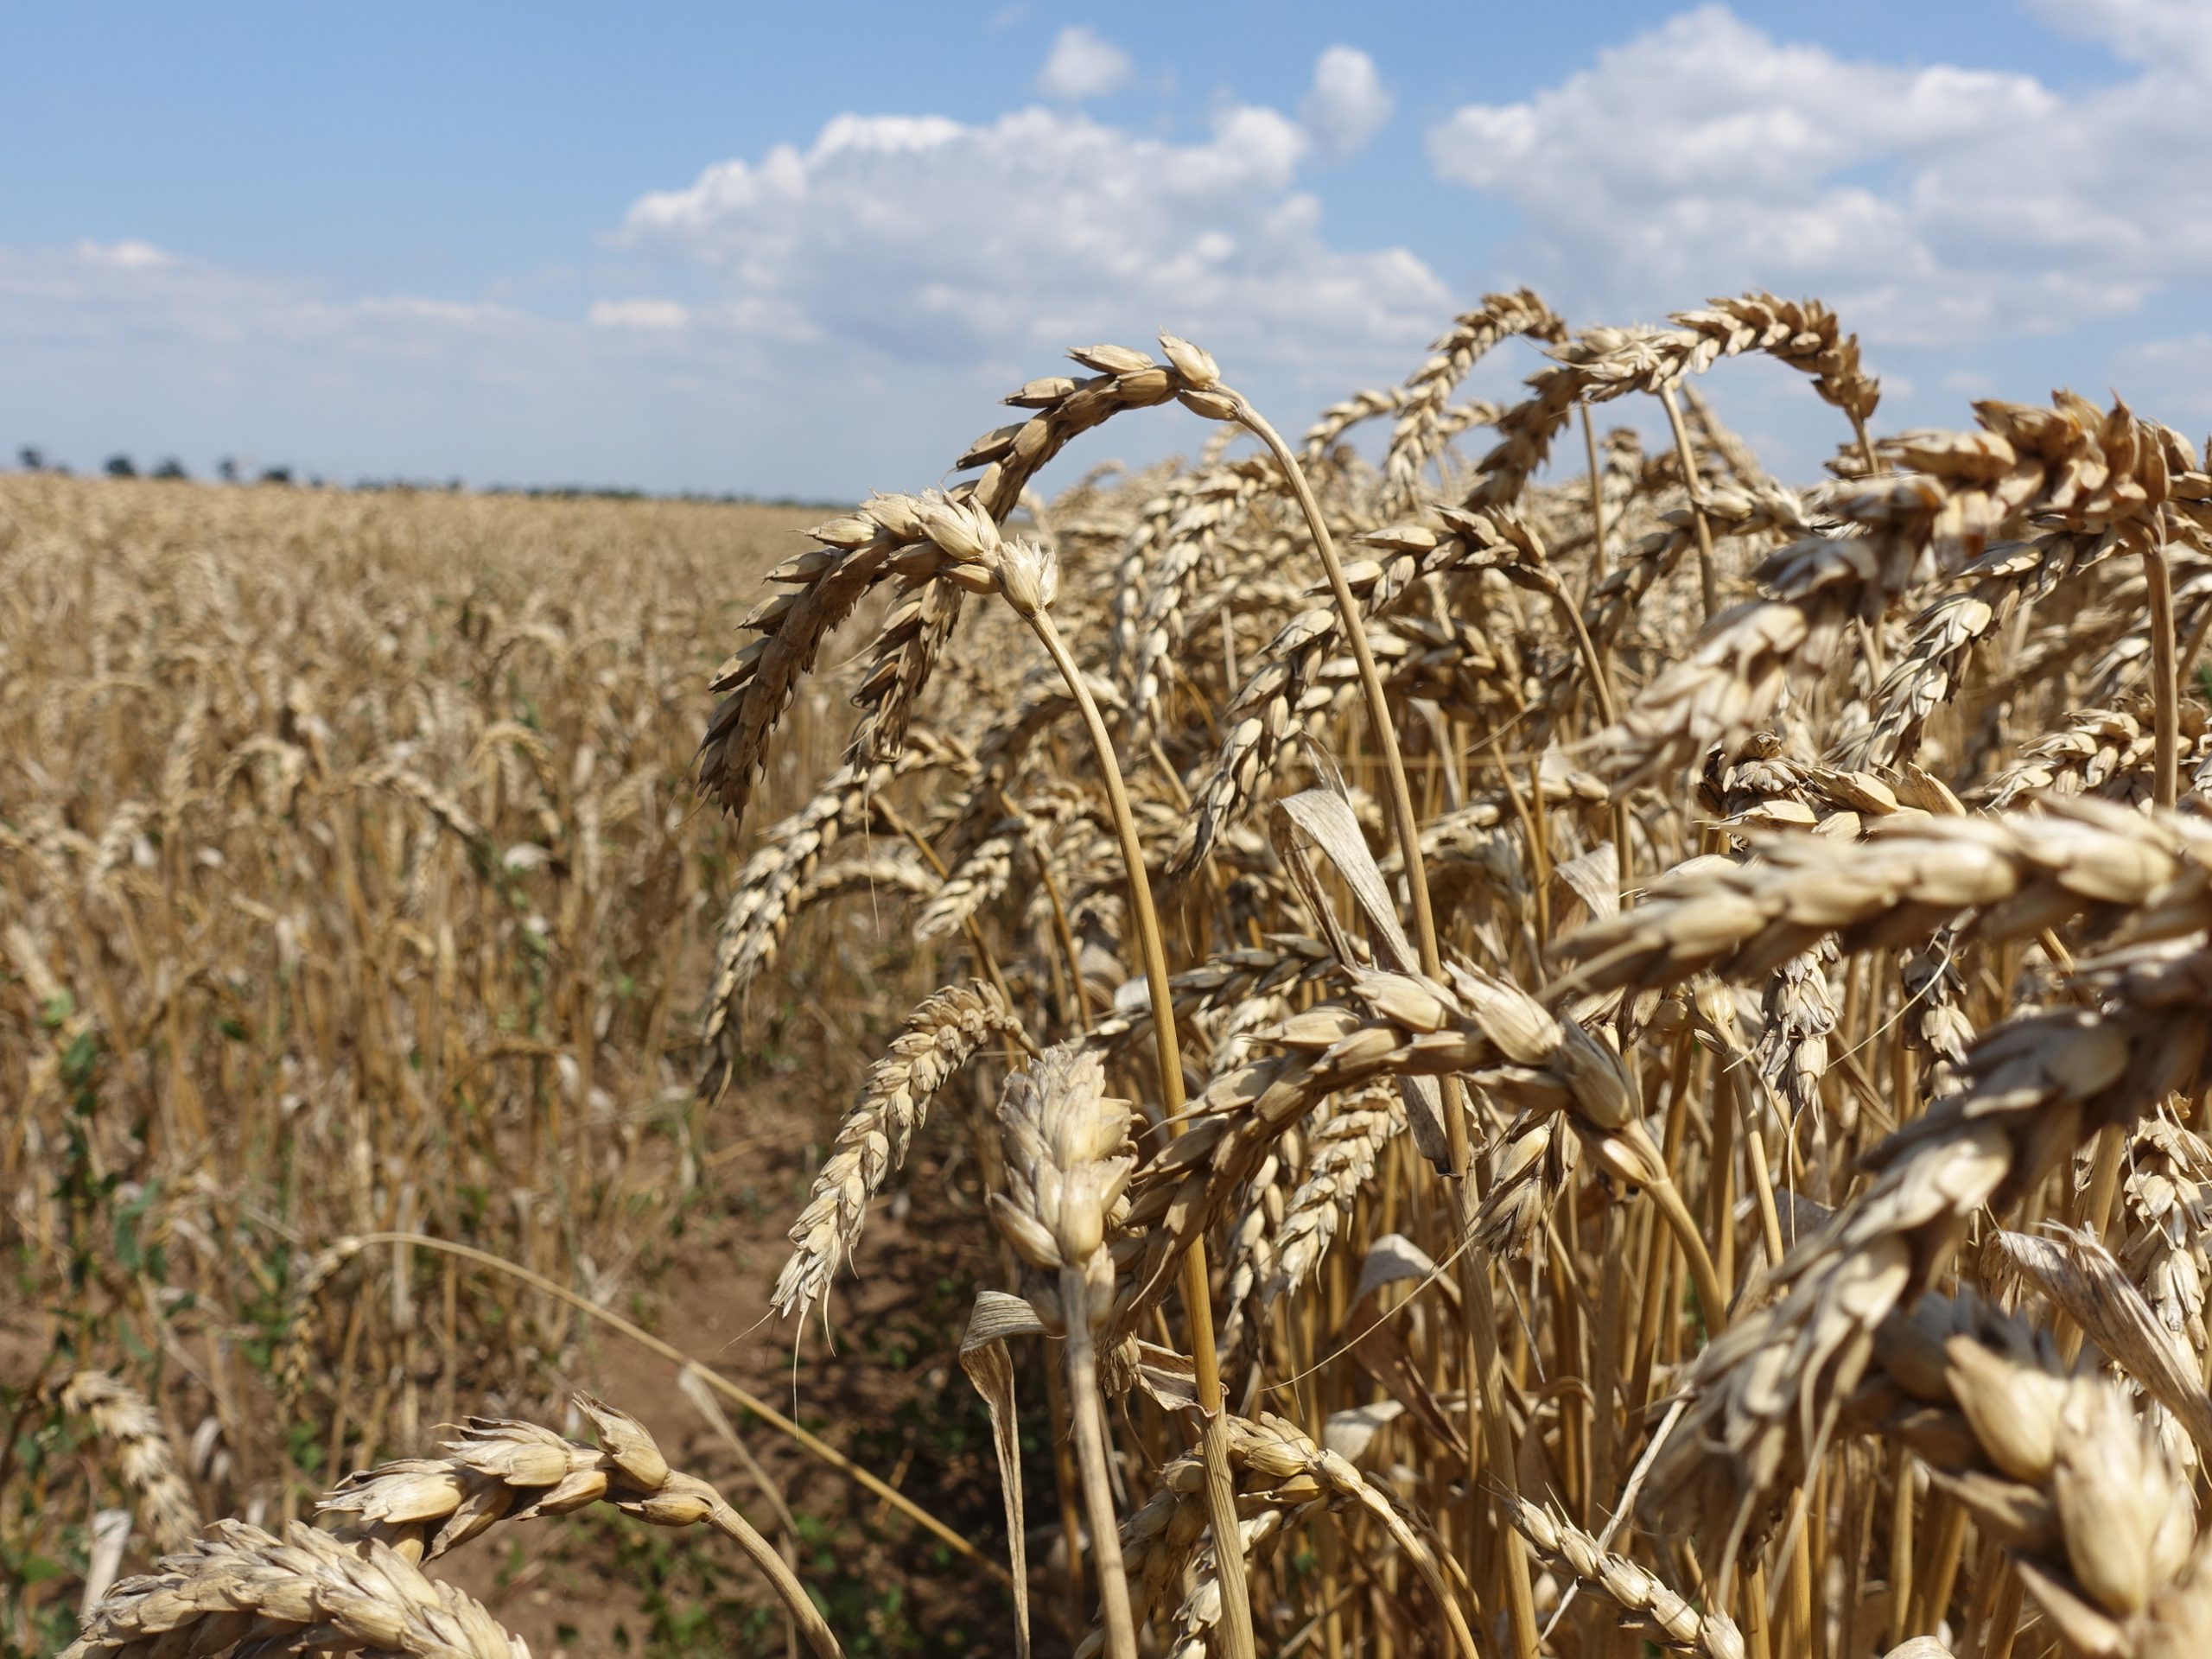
x: 2173, y: 32
x: 1932, y: 204
x: 1082, y: 64
x: 123, y: 256
x: 900, y: 241
x: 1348, y: 103
x: 2170, y: 378
x: 179, y: 356
x: 638, y: 314
x: 907, y: 270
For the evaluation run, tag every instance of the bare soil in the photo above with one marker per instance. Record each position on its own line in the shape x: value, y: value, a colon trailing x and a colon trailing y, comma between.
x: 890, y: 1394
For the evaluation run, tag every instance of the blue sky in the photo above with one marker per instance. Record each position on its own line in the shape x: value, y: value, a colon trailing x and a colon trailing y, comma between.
x: 801, y: 249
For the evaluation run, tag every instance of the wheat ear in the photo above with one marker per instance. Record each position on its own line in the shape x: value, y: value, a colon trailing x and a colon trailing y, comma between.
x: 2069, y: 469
x: 1763, y: 1394
x: 1279, y: 1469
x: 937, y: 1039
x: 1650, y: 1607
x: 1068, y: 1157
x: 496, y: 1469
x: 1341, y: 1154
x: 126, y: 1420
x: 241, y: 1587
x: 1419, y: 432
x: 886, y: 538
x: 2057, y: 1463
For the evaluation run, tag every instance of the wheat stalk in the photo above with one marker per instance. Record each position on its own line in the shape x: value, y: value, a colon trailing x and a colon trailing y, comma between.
x: 1068, y: 1158
x: 497, y: 1469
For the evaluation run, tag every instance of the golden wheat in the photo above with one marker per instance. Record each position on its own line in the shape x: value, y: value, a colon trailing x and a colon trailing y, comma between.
x: 1625, y: 1060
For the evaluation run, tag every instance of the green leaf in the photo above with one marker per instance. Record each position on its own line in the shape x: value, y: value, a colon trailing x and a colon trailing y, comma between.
x: 37, y: 1569
x: 79, y: 1059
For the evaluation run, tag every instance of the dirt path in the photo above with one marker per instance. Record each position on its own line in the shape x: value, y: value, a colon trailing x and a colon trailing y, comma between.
x: 891, y: 1396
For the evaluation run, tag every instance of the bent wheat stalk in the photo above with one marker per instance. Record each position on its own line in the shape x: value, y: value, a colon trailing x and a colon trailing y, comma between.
x: 497, y: 1469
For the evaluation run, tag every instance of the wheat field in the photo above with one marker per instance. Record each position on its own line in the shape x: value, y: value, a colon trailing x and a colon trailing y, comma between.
x: 1529, y: 1039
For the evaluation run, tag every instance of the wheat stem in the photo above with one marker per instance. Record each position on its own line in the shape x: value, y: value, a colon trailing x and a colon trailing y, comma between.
x: 2165, y: 689
x: 1708, y: 578
x: 1085, y: 1400
x: 797, y: 1604
x: 1198, y: 1278
x: 1481, y: 1361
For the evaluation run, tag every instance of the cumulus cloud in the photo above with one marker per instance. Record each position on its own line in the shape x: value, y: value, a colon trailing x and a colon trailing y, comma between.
x: 926, y: 240
x: 1082, y: 64
x: 1933, y: 203
x: 1348, y: 103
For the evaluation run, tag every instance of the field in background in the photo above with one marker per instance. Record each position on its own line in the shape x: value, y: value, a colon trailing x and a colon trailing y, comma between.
x: 352, y: 881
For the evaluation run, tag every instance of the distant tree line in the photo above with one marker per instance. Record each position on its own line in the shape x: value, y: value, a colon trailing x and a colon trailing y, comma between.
x: 31, y: 458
